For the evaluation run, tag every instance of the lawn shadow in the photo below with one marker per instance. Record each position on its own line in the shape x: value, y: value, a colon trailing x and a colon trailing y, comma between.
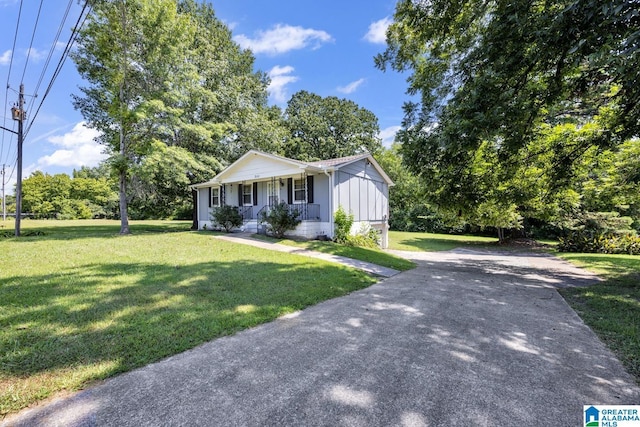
x: 96, y: 315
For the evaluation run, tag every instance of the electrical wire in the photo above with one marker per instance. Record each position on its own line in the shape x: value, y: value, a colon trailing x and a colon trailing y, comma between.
x: 33, y: 35
x: 74, y: 35
x: 6, y: 95
x: 53, y: 47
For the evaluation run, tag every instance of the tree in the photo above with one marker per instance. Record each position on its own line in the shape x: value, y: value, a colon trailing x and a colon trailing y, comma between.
x: 176, y: 96
x: 321, y: 128
x: 60, y: 196
x: 128, y: 52
x: 231, y: 99
x: 497, y: 76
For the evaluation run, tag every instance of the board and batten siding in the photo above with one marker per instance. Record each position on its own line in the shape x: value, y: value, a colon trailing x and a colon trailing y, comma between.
x: 321, y: 195
x: 362, y: 191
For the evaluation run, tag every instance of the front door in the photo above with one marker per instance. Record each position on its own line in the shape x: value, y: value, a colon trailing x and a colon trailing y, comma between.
x: 272, y: 193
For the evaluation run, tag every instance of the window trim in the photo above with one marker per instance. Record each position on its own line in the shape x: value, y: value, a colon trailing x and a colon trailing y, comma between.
x: 303, y: 190
x: 215, y: 193
x: 245, y: 194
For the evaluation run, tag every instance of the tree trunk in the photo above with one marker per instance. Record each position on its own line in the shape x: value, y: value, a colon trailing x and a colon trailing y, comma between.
x: 124, y: 217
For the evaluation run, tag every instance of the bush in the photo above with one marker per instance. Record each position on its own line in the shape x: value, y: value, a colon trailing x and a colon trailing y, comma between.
x: 279, y: 219
x: 611, y: 244
x: 227, y: 217
x: 600, y: 232
x: 343, y: 223
x: 366, y: 237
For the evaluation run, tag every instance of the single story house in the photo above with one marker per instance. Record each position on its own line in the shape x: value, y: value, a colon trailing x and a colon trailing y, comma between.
x: 258, y: 180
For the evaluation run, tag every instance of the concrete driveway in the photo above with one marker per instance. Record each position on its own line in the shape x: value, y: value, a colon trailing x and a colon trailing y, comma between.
x: 465, y: 339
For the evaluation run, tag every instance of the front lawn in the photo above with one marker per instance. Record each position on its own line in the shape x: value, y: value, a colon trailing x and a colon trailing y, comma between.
x: 375, y: 256
x: 612, y: 307
x: 81, y: 303
x: 430, y: 242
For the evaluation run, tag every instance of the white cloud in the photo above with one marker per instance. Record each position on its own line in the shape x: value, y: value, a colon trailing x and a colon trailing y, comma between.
x: 5, y: 57
x: 282, y: 39
x: 378, y: 31
x: 388, y: 135
x: 230, y: 25
x: 351, y: 87
x: 280, y: 78
x: 35, y: 54
x: 78, y: 148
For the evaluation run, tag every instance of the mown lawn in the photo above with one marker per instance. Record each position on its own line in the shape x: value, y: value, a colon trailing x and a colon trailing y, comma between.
x: 408, y: 241
x: 81, y: 303
x: 375, y: 256
x: 612, y: 307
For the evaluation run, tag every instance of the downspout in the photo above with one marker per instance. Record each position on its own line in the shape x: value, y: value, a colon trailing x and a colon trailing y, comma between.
x: 197, y: 206
x: 331, y: 193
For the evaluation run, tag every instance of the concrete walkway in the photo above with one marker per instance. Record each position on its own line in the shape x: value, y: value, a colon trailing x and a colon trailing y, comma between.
x: 245, y: 239
x: 465, y: 339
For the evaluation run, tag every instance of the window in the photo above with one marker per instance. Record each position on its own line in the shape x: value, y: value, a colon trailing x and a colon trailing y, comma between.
x: 299, y: 191
x: 215, y: 197
x: 247, y: 195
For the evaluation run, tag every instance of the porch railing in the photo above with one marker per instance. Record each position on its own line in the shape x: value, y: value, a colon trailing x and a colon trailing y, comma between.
x: 246, y: 212
x: 306, y: 211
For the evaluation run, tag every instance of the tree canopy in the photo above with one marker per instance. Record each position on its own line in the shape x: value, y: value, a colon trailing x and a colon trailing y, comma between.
x: 173, y: 96
x: 321, y: 128
x: 513, y: 95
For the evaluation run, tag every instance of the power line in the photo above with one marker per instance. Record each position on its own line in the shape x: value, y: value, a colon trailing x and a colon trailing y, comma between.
x: 33, y: 35
x: 6, y: 95
x: 74, y: 35
x: 53, y: 47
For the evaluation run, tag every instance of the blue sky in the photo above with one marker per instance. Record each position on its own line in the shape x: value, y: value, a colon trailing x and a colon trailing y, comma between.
x: 325, y: 47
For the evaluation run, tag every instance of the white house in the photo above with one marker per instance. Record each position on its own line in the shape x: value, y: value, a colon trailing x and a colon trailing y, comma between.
x: 258, y: 180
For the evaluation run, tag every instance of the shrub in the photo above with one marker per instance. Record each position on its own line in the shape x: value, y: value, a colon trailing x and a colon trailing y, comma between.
x: 611, y: 244
x: 600, y: 232
x: 366, y: 237
x: 280, y: 219
x: 227, y: 217
x: 343, y: 223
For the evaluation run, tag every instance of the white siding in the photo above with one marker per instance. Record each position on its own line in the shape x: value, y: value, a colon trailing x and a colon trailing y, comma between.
x: 257, y: 168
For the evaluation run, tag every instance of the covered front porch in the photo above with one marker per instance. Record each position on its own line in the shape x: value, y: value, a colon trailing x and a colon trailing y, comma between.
x: 301, y: 193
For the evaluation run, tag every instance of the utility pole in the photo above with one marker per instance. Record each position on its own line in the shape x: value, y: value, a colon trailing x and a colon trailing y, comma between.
x: 4, y: 203
x: 18, y: 114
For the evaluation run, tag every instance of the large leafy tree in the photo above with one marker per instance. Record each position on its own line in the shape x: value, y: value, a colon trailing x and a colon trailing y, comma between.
x: 496, y: 80
x: 231, y: 97
x: 174, y: 96
x: 321, y: 128
x: 128, y: 51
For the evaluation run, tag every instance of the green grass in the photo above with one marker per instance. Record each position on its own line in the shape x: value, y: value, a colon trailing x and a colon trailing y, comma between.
x: 81, y: 303
x: 612, y: 307
x: 408, y: 241
x: 375, y: 256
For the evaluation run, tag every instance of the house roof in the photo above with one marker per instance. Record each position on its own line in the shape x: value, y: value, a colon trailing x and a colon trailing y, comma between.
x: 318, y: 166
x: 340, y: 161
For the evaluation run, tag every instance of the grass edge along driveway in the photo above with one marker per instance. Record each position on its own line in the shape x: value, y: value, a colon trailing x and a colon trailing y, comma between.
x: 84, y: 304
